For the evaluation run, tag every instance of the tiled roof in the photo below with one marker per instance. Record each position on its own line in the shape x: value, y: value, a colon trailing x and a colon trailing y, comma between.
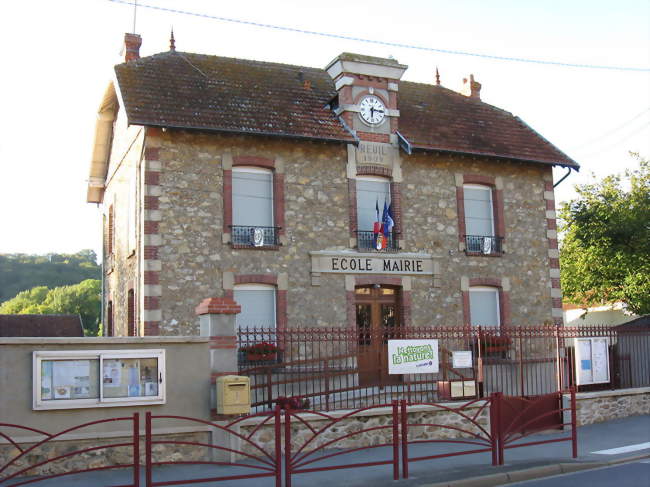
x: 434, y: 117
x: 40, y: 326
x: 208, y: 92
x: 195, y: 91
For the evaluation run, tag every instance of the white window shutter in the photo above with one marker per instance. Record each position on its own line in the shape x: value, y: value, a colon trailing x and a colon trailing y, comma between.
x: 252, y: 197
x: 479, y: 216
x: 484, y: 307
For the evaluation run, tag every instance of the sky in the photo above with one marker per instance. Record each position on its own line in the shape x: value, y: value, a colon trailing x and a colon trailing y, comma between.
x: 58, y: 57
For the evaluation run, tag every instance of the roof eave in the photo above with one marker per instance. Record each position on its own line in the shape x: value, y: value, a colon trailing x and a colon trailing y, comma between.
x: 426, y: 148
x: 349, y: 140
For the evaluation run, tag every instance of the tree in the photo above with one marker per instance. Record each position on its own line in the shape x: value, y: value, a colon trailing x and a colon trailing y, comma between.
x: 605, y: 252
x: 83, y: 299
x: 19, y: 272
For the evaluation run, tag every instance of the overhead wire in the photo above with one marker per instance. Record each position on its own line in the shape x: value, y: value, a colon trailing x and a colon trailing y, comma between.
x: 384, y: 43
x: 612, y: 131
x: 618, y: 142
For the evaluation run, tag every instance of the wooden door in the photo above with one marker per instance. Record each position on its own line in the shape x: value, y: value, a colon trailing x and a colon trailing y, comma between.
x: 378, y: 320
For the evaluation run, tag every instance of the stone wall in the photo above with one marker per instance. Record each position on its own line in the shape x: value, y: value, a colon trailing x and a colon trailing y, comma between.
x: 596, y: 407
x: 194, y: 258
x: 104, y: 457
x: 364, y: 420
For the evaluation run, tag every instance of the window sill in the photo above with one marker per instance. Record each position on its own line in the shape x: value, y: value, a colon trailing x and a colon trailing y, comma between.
x: 252, y: 247
x: 481, y: 254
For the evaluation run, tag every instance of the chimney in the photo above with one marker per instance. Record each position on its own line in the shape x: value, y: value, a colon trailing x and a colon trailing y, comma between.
x: 471, y: 88
x: 132, y: 43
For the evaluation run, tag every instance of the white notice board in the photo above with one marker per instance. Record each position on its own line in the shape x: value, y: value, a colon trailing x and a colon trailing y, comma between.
x: 592, y: 360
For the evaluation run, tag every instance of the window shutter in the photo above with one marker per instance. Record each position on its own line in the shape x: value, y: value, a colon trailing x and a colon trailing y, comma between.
x: 484, y: 307
x: 252, y: 198
x: 257, y: 308
x: 479, y: 218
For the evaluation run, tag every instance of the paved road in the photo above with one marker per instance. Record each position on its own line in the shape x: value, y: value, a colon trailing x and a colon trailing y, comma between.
x: 634, y: 474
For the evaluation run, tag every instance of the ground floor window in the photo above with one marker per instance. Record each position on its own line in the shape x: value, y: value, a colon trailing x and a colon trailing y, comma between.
x: 484, y: 306
x: 258, y: 305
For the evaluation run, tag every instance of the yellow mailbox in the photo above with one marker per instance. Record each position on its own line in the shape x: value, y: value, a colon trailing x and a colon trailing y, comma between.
x: 233, y: 395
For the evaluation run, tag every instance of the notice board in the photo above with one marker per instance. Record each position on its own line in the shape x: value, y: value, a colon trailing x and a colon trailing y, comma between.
x: 592, y: 360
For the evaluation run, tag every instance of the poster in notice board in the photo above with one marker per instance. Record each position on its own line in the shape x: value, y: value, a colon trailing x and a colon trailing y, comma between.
x: 592, y: 360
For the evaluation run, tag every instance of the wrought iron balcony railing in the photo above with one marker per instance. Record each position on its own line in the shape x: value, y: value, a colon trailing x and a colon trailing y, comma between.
x: 254, y: 236
x: 483, y: 244
x: 366, y: 241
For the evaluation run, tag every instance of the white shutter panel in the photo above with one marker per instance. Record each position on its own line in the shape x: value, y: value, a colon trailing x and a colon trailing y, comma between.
x: 252, y: 197
x: 257, y: 307
x: 484, y: 307
x: 479, y: 217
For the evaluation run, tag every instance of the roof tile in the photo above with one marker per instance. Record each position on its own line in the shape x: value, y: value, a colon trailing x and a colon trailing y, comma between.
x: 196, y: 91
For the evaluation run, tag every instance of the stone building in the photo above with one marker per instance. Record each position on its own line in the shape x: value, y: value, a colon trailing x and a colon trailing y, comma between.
x: 263, y: 182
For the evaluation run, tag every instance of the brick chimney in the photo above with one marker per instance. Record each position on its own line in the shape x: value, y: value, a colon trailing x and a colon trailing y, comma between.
x: 132, y: 43
x: 471, y: 88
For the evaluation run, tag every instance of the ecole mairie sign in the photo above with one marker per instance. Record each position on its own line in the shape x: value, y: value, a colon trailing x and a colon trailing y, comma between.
x: 367, y: 263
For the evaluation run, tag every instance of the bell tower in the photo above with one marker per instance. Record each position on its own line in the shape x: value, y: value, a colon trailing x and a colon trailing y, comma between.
x: 368, y: 88
x: 367, y: 103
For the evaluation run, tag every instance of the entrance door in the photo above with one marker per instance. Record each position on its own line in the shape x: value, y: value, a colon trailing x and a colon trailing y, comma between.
x: 378, y: 320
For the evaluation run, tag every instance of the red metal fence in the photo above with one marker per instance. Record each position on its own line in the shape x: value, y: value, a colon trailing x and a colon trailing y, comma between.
x: 27, y: 460
x: 343, y: 368
x: 315, y: 441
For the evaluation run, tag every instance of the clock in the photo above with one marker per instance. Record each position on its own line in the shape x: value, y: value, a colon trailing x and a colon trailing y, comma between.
x: 372, y: 110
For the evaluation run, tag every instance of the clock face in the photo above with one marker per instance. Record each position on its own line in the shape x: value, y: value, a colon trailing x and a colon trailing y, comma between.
x: 372, y: 110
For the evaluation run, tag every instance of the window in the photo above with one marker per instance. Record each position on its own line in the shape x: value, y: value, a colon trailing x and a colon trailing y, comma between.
x: 258, y: 305
x: 109, y: 331
x: 98, y: 378
x: 111, y: 230
x: 130, y: 313
x: 480, y: 234
x: 372, y: 194
x: 131, y: 220
x: 252, y: 207
x: 484, y: 306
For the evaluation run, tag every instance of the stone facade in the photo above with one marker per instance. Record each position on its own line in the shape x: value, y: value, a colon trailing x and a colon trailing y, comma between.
x: 194, y: 261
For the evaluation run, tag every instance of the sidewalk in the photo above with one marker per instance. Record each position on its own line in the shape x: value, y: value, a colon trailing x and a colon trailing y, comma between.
x: 460, y: 471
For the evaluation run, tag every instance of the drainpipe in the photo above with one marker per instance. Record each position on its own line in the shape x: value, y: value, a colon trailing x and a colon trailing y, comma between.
x: 563, y: 178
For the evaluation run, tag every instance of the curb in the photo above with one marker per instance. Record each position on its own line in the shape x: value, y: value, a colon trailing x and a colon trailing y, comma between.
x: 495, y: 480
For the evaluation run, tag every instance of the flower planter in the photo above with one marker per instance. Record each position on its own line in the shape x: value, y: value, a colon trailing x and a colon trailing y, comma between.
x: 496, y: 348
x: 261, y: 357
